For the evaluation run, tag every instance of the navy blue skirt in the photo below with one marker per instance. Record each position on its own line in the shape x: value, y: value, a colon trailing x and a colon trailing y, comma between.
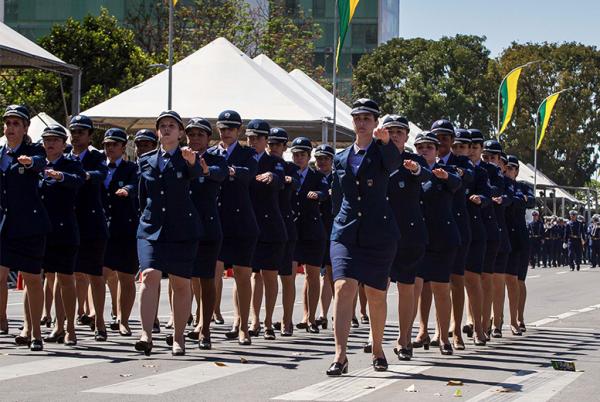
x: 60, y: 258
x: 267, y: 256
x: 406, y: 261
x: 501, y: 263
x: 436, y: 265
x: 121, y: 255
x: 237, y: 251
x: 25, y: 254
x: 475, y: 257
x: 368, y: 265
x: 489, y: 259
x: 460, y: 259
x: 173, y: 258
x: 523, y: 264
x: 310, y: 252
x: 287, y: 259
x: 90, y: 258
x: 206, y: 259
x: 327, y: 256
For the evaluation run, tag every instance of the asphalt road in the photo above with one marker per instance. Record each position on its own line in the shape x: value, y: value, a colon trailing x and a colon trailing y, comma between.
x: 563, y: 316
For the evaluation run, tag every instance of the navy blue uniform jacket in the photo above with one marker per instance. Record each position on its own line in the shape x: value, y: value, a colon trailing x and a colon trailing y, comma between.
x: 481, y: 187
x: 496, y: 183
x: 168, y: 213
x: 459, y: 201
x: 363, y: 215
x: 89, y: 209
x: 121, y: 212
x: 309, y: 224
x: 285, y: 200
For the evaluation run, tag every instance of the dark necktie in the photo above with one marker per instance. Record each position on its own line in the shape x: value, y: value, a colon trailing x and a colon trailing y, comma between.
x: 166, y: 155
x: 361, y: 152
x: 112, y: 165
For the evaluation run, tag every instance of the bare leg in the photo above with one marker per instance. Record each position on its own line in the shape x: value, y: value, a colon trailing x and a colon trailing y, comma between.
x: 149, y: 296
x: 66, y: 284
x: 208, y: 305
x: 522, y: 299
x: 271, y: 290
x: 487, y: 284
x: 378, y: 313
x: 417, y: 300
x: 125, y: 299
x: 498, y: 301
x: 362, y: 298
x: 345, y: 290
x: 288, y: 296
x: 244, y: 294
x: 474, y: 290
x: 441, y: 293
x: 182, y: 304
x: 424, y: 308
x: 305, y: 296
x: 197, y: 295
x: 48, y: 295
x: 457, y: 289
x: 112, y: 281
x: 219, y: 270
x: 98, y: 288
x: 34, y: 302
x: 257, y: 297
x: 81, y: 285
x: 513, y: 289
x: 406, y: 301
x: 326, y: 293
x: 313, y: 274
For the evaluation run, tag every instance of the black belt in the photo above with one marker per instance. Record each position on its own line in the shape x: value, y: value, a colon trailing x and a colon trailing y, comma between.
x: 595, y: 238
x: 574, y: 237
x: 535, y: 237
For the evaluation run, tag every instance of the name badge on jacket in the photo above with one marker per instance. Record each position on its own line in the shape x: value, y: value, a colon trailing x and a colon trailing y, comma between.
x: 21, y: 170
x: 401, y: 184
x: 179, y: 175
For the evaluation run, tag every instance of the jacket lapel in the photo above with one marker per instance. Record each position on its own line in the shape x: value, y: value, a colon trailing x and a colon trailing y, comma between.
x: 344, y: 160
x: 367, y: 159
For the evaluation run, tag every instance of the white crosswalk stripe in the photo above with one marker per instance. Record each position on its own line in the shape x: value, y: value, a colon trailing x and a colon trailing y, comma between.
x: 175, y: 379
x: 528, y: 386
x: 45, y: 365
x: 355, y: 385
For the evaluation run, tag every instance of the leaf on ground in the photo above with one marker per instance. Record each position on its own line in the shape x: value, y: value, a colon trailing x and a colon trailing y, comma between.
x: 369, y: 387
x: 125, y: 375
x: 243, y: 360
x: 83, y: 376
x: 455, y: 383
x: 220, y: 364
x: 148, y: 365
x: 458, y: 393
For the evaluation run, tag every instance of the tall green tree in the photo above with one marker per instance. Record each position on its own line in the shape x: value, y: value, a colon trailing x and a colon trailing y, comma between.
x: 569, y: 153
x: 107, y: 54
x: 426, y: 80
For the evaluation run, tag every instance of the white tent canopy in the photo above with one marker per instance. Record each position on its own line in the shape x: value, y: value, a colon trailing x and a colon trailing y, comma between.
x: 217, y: 77
x: 16, y: 51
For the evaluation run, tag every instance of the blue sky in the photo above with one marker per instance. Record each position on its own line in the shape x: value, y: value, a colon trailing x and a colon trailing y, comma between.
x: 503, y: 21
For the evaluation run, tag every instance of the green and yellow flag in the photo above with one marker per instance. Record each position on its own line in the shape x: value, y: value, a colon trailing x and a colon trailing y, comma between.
x: 544, y: 112
x: 508, y: 92
x: 346, y: 10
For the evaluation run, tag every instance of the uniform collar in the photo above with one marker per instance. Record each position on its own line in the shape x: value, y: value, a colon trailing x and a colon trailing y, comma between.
x: 55, y: 161
x: 303, y: 172
x: 229, y: 149
x: 171, y: 152
x: 257, y: 156
x: 445, y: 158
x: 81, y: 155
x: 117, y: 162
x: 356, y: 148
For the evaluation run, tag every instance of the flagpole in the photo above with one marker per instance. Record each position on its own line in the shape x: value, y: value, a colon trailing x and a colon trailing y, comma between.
x: 170, y: 89
x: 334, y: 90
x: 499, y: 93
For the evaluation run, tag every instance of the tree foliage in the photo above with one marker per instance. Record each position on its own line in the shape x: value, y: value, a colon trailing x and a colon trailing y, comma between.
x: 107, y: 54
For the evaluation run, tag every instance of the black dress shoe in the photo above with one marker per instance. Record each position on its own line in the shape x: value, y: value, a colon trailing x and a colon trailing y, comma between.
x: 468, y: 330
x: 47, y: 321
x: 354, y: 323
x: 435, y: 342
x: 302, y: 325
x: 169, y: 339
x: 380, y: 364
x: 289, y: 331
x: 22, y: 340
x: 178, y: 351
x: 515, y: 331
x: 114, y: 325
x: 71, y: 342
x: 219, y: 321
x: 100, y: 336
x: 312, y: 329
x: 337, y: 369
x: 403, y: 354
x: 364, y: 319
x: 322, y: 322
x: 36, y: 345
x: 193, y: 335
x: 83, y: 319
x: 54, y: 337
x: 446, y: 349
x: 125, y: 333
x: 368, y: 347
x: 245, y: 342
x: 479, y: 342
x: 496, y: 333
x: 277, y: 326
x: 144, y: 346
x: 422, y: 344
x: 254, y: 332
x: 522, y: 327
x: 269, y: 334
x: 233, y: 333
x: 205, y: 343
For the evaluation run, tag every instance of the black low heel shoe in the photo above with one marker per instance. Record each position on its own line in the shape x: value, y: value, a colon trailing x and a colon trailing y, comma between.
x: 354, y: 323
x: 254, y: 332
x: 522, y: 327
x: 322, y: 322
x: 380, y: 364
x: 144, y: 346
x: 446, y: 349
x: 422, y: 344
x: 337, y: 369
x: 22, y: 340
x: 169, y: 339
x: 100, y: 336
x: 312, y: 329
x: 368, y: 347
x: 302, y: 325
x: 468, y: 330
x: 515, y: 331
x: 403, y: 354
x: 233, y: 333
x: 36, y: 345
x: 269, y: 334
x: 205, y: 343
x: 54, y: 337
x: 479, y: 342
x: 193, y: 335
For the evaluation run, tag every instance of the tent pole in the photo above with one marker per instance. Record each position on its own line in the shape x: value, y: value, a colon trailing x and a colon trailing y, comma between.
x: 76, y: 93
x: 334, y: 90
x: 170, y: 93
x: 535, y: 156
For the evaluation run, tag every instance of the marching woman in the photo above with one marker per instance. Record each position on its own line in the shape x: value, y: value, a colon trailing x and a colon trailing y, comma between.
x: 205, y: 191
x: 444, y: 237
x: 25, y: 222
x: 324, y: 155
x: 404, y: 192
x: 61, y: 180
x: 310, y: 247
x: 264, y: 193
x: 240, y: 229
x: 515, y: 286
x: 277, y: 143
x: 169, y: 228
x: 119, y: 200
x: 478, y: 198
x: 454, y: 151
x: 93, y: 231
x: 491, y: 159
x: 503, y: 250
x: 365, y: 233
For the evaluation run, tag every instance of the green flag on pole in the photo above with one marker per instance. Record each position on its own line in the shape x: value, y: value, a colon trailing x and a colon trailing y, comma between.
x: 346, y: 10
x: 508, y: 92
x: 544, y: 112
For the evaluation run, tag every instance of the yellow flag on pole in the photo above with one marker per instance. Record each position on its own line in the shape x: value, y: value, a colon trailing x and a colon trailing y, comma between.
x: 544, y: 112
